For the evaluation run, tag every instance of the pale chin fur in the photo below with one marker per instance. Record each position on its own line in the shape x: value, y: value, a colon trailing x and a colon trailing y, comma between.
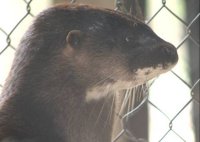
x: 141, y: 76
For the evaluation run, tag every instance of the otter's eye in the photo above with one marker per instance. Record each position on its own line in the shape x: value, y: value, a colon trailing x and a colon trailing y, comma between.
x: 129, y: 38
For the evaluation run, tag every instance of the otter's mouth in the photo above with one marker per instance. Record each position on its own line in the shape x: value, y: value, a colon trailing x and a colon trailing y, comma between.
x: 145, y: 74
x: 138, y: 77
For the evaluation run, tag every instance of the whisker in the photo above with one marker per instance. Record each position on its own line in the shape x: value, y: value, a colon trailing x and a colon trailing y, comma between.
x: 110, y: 112
x: 134, y: 94
x: 138, y: 96
x: 101, y: 81
x: 124, y: 102
x: 99, y: 116
x: 129, y: 102
x: 93, y: 109
x: 133, y: 98
x: 140, y: 93
x: 112, y: 106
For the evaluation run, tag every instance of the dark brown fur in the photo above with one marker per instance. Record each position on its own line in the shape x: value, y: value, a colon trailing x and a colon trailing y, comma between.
x: 67, y: 52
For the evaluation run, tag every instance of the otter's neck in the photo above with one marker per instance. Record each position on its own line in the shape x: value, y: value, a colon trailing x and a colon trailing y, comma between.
x: 56, y: 107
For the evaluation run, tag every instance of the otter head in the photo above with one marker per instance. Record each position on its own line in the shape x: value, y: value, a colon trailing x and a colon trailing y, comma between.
x: 114, y: 51
x: 103, y: 49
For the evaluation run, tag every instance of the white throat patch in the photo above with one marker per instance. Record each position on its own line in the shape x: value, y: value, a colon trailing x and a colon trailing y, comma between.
x: 140, y: 77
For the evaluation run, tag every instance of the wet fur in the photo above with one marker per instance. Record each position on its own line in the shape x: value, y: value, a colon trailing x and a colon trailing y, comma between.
x: 69, y: 51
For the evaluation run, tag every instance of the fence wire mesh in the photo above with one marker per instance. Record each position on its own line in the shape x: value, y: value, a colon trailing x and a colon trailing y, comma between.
x: 6, y: 35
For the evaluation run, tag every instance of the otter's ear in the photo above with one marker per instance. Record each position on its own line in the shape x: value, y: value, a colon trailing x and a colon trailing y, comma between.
x: 74, y: 38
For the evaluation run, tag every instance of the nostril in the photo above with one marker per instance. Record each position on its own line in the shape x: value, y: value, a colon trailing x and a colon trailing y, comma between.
x: 170, y: 52
x: 167, y: 48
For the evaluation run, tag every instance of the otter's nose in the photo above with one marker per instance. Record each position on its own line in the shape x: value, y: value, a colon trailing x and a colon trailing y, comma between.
x: 168, y: 52
x: 159, y: 49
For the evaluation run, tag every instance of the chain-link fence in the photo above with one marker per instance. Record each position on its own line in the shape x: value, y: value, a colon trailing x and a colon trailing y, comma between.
x: 188, y: 44
x: 188, y: 41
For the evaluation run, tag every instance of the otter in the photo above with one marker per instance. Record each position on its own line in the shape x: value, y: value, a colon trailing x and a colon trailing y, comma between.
x: 71, y: 62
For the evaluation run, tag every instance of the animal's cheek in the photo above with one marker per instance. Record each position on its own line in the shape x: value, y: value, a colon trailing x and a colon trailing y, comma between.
x: 115, y: 68
x: 68, y: 52
x: 81, y: 60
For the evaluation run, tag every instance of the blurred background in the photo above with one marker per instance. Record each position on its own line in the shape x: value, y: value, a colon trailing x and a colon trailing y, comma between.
x: 172, y: 110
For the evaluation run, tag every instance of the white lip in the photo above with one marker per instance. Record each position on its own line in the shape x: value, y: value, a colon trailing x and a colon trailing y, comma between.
x: 141, y: 76
x: 145, y: 74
